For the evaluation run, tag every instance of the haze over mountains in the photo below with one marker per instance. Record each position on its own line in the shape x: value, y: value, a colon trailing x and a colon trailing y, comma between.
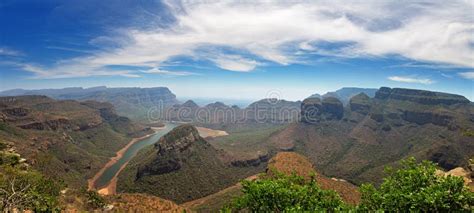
x: 354, y: 141
x: 236, y: 106
x: 140, y: 103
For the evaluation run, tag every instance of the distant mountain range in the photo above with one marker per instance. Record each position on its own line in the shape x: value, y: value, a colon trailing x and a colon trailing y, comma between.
x: 346, y: 93
x: 71, y: 140
x: 134, y: 102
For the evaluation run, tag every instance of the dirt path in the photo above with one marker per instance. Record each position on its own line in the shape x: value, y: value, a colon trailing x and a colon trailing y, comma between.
x: 111, y: 187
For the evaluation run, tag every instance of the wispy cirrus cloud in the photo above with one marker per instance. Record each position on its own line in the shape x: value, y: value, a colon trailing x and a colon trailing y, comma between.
x: 409, y: 79
x: 281, y: 33
x: 467, y: 75
x: 74, y: 71
x: 4, y: 51
x: 159, y: 71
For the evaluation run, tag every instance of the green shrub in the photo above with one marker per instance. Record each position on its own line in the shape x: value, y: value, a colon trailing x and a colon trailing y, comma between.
x: 94, y: 200
x: 9, y: 159
x: 286, y: 194
x: 416, y: 187
x: 27, y: 190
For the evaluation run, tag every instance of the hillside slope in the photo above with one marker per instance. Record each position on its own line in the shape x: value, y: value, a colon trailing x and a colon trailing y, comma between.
x: 66, y: 140
x: 133, y: 102
x: 379, y: 131
x: 181, y: 166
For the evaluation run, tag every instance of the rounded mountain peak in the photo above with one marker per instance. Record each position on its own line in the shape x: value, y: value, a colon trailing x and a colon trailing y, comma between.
x: 190, y: 104
x: 180, y: 138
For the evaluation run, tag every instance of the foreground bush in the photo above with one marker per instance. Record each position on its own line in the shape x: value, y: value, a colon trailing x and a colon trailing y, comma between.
x: 286, y: 193
x: 416, y: 187
x: 413, y: 187
x: 27, y: 190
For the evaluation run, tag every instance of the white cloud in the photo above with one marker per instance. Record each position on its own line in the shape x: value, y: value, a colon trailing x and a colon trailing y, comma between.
x: 74, y: 71
x: 467, y: 75
x: 156, y: 70
x: 407, y: 79
x: 434, y: 32
x: 235, y: 63
x: 9, y: 52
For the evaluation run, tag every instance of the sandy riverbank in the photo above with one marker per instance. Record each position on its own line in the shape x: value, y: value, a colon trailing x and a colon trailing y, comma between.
x: 111, y: 186
x: 206, y: 132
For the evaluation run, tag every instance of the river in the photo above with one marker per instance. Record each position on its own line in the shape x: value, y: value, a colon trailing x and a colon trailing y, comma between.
x: 111, y: 171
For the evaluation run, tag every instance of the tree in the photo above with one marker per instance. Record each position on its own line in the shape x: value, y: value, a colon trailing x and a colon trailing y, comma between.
x: 282, y: 193
x: 416, y: 187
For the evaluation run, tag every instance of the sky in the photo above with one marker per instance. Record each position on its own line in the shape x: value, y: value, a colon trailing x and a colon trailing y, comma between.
x: 238, y: 50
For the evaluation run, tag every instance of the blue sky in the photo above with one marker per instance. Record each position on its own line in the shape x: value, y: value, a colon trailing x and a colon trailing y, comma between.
x: 238, y: 50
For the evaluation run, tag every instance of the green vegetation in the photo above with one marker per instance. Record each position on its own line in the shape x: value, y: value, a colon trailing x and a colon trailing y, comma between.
x: 25, y: 189
x: 94, y: 200
x: 417, y: 187
x: 413, y: 187
x: 468, y: 133
x: 283, y: 193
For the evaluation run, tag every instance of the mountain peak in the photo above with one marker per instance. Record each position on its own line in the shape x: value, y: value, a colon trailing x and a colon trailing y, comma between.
x: 179, y: 138
x: 190, y: 104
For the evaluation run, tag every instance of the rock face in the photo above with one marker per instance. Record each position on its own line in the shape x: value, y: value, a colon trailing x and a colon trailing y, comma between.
x: 252, y: 161
x: 171, y: 151
x: 18, y: 111
x: 360, y: 103
x: 427, y: 117
x: 346, y: 93
x: 311, y: 110
x: 332, y: 108
x: 420, y: 96
x: 55, y: 124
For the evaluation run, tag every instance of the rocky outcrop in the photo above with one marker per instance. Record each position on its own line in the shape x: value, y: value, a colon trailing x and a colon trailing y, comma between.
x: 17, y: 111
x: 420, y: 96
x: 360, y: 103
x: 422, y: 118
x: 311, y: 110
x: 171, y: 151
x: 251, y: 161
x: 55, y: 124
x: 332, y: 108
